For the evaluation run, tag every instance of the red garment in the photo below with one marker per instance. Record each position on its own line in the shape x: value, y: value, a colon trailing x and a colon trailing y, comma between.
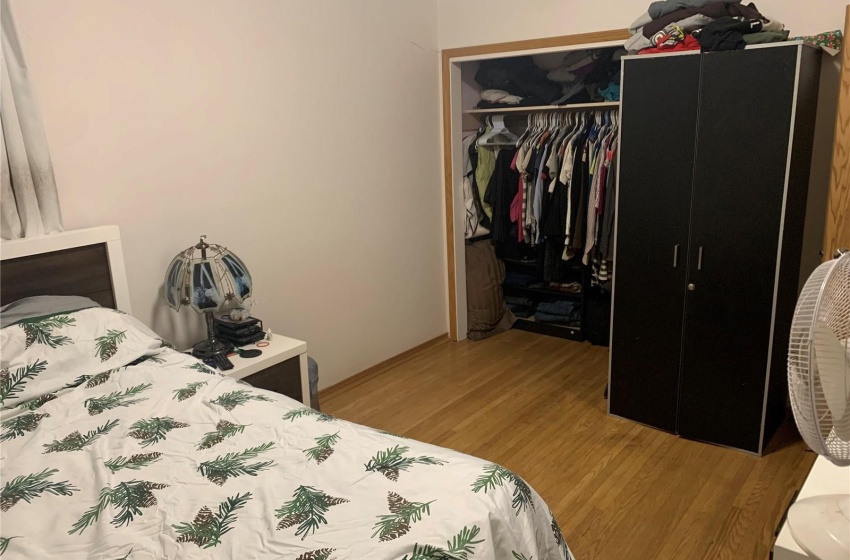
x: 516, y: 203
x: 689, y: 44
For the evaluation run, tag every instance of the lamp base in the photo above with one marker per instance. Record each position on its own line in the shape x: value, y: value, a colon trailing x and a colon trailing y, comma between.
x: 209, y: 348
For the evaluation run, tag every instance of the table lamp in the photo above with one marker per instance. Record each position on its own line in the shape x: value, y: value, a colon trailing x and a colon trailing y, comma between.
x: 207, y: 278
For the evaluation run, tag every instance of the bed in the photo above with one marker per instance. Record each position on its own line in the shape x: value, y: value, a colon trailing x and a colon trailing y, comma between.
x: 114, y: 445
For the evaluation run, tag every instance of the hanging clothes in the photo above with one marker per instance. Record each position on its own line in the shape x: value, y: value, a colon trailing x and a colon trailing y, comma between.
x: 556, y: 192
x: 484, y: 170
x: 500, y: 193
x: 475, y: 218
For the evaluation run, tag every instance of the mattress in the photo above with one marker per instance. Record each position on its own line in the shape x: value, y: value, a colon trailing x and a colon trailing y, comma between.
x: 114, y: 445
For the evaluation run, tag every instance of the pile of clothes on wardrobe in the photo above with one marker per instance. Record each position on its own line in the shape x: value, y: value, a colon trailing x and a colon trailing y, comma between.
x: 707, y: 25
x: 583, y: 77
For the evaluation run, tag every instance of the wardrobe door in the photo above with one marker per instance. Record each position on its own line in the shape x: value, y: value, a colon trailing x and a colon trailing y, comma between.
x: 659, y: 113
x: 746, y: 100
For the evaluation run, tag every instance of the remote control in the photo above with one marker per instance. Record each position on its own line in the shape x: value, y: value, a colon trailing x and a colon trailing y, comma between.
x: 220, y: 362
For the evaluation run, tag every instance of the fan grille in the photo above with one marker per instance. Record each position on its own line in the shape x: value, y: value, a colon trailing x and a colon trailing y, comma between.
x: 825, y: 298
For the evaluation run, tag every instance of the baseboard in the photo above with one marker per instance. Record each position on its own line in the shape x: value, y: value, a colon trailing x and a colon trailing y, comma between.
x: 395, y: 361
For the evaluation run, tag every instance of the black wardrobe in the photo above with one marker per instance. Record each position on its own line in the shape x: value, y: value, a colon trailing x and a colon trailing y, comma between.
x: 714, y: 173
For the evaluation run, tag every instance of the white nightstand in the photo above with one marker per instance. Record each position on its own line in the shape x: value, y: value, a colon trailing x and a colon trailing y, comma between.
x: 825, y: 478
x: 282, y: 368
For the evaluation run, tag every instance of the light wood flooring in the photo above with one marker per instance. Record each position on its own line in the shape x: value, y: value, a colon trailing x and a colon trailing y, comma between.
x: 618, y: 489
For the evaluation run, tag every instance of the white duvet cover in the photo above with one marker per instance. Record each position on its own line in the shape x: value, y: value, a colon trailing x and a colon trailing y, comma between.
x: 115, y: 446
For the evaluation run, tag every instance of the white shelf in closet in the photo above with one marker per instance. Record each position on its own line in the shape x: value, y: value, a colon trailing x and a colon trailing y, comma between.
x: 543, y: 108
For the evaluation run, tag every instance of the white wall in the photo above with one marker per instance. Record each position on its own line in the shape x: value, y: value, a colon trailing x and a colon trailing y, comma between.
x: 304, y: 135
x: 478, y: 22
x: 464, y: 23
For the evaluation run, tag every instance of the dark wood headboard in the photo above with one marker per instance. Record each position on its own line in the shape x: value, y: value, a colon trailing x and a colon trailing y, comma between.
x: 84, y: 262
x: 81, y: 271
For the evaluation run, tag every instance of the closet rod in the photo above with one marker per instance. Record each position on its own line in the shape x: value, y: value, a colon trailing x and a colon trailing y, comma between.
x: 542, y: 108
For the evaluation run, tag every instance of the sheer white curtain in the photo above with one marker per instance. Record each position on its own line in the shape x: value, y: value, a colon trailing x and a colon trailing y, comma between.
x: 29, y: 203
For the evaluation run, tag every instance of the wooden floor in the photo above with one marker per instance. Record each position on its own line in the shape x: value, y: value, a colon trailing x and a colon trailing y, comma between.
x: 619, y: 490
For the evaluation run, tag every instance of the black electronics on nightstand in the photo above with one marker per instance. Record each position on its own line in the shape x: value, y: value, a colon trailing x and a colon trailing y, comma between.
x: 239, y: 333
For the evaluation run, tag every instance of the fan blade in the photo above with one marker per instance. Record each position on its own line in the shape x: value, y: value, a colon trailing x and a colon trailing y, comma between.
x: 833, y: 369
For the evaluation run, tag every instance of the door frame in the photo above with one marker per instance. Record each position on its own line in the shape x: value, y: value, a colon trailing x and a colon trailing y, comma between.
x: 450, y: 85
x: 837, y: 227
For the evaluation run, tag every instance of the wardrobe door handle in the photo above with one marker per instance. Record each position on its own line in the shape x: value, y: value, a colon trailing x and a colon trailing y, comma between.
x: 699, y: 259
x: 676, y: 256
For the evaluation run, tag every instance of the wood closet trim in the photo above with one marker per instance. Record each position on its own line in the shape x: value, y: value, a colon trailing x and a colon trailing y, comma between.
x: 837, y: 230
x: 448, y: 189
x: 445, y: 85
x: 535, y: 44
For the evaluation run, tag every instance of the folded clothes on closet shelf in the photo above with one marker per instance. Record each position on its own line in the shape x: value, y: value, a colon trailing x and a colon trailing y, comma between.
x: 611, y: 92
x: 519, y: 301
x: 500, y: 96
x: 519, y: 82
x: 562, y: 76
x: 573, y: 93
x: 563, y: 308
x: 568, y: 288
x: 571, y: 319
x: 507, y: 100
x: 519, y: 279
x: 584, y: 74
x: 520, y: 306
x: 517, y: 76
x: 560, y: 319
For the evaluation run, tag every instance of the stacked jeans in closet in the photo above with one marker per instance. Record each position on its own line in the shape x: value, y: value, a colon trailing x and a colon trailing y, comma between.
x: 564, y: 312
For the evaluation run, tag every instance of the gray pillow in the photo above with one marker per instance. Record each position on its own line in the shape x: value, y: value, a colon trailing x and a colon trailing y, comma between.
x: 39, y: 306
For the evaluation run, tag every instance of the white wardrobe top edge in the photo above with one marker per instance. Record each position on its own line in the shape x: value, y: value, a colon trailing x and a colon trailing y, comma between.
x: 795, y: 43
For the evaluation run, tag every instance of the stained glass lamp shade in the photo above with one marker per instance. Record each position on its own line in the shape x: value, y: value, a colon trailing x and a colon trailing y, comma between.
x: 207, y: 278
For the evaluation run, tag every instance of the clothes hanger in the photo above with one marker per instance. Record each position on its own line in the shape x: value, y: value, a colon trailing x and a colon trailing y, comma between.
x: 539, y: 128
x: 547, y: 128
x: 526, y: 133
x: 538, y: 131
x: 564, y: 129
x: 500, y: 135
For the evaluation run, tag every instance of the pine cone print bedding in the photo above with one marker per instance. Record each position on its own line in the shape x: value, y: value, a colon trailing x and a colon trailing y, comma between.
x: 116, y: 446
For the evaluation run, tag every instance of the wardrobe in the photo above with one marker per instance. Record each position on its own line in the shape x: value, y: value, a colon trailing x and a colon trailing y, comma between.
x: 715, y: 155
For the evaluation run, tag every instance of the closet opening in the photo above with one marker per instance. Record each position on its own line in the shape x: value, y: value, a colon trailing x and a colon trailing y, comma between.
x: 537, y: 144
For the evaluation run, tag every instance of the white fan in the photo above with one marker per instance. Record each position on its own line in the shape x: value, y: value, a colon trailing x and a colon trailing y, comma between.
x: 819, y: 384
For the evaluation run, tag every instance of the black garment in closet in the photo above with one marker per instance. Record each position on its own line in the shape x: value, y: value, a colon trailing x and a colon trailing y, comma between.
x: 500, y: 192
